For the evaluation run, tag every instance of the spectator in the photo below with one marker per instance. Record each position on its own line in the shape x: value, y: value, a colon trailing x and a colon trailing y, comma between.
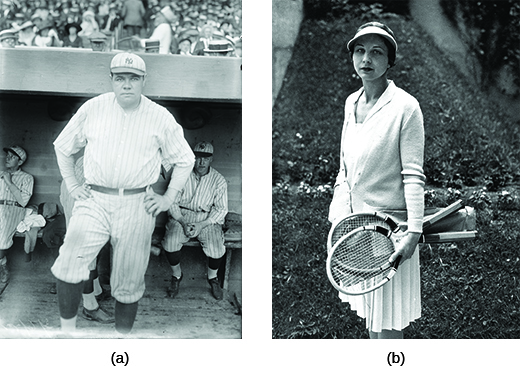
x: 47, y: 35
x: 26, y: 34
x: 89, y: 24
x: 98, y: 41
x: 71, y: 39
x: 204, y: 40
x: 8, y: 39
x: 184, y: 47
x: 192, y: 34
x: 133, y: 17
x: 163, y: 30
x: 103, y: 9
x: 110, y: 21
x: 37, y: 20
x: 150, y: 10
x: 74, y: 15
x: 226, y: 29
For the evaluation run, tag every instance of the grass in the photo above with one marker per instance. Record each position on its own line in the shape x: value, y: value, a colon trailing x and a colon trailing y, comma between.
x: 469, y: 290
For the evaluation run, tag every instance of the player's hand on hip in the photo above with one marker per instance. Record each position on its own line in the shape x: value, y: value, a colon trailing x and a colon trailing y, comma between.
x: 155, y: 203
x: 406, y: 246
x: 81, y: 192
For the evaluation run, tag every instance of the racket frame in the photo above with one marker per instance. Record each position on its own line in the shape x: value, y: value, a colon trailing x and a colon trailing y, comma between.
x: 395, y: 238
x: 392, y: 266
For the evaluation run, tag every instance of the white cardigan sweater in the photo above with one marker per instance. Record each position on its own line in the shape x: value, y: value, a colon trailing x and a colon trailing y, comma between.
x: 382, y: 158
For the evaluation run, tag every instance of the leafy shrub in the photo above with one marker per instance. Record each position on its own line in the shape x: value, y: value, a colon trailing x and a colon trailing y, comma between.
x: 491, y: 30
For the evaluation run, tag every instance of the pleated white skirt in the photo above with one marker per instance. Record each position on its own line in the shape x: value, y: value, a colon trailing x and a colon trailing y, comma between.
x: 394, y: 305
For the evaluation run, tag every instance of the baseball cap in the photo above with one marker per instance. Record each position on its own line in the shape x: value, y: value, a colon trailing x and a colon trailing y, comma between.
x: 203, y: 149
x: 18, y: 151
x: 129, y: 63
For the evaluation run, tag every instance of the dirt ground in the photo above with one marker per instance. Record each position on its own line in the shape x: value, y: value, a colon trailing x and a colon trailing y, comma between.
x: 29, y: 310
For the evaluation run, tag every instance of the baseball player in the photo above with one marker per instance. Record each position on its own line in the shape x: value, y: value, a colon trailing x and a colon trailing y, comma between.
x: 16, y: 187
x: 125, y: 137
x: 199, y: 214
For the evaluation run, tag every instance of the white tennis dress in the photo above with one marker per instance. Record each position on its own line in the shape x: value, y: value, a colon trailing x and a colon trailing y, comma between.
x: 376, y: 156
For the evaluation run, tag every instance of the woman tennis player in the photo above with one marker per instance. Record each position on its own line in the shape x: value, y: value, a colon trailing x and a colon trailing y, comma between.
x: 382, y: 148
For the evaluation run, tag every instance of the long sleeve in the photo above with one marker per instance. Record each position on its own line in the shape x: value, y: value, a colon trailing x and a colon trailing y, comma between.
x: 220, y: 206
x: 66, y: 166
x: 412, y: 154
x: 177, y: 153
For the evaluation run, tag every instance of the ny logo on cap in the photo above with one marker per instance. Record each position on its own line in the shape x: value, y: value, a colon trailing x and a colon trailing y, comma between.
x: 129, y: 61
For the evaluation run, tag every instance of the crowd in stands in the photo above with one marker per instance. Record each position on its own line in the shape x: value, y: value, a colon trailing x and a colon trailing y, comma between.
x: 187, y: 27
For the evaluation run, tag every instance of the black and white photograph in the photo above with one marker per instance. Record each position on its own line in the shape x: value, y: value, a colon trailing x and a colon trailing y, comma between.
x: 121, y: 170
x: 395, y: 174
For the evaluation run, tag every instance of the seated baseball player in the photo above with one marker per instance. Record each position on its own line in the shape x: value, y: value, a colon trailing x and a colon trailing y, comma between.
x: 199, y: 213
x: 16, y: 187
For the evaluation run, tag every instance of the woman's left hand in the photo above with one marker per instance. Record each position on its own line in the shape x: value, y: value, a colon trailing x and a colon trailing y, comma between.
x: 406, y: 247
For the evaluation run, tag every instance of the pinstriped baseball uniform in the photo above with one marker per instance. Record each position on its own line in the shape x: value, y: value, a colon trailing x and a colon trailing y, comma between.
x: 11, y: 216
x: 67, y: 201
x: 122, y: 150
x: 202, y: 198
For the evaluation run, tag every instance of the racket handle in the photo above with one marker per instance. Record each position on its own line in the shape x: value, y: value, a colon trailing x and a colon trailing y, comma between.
x: 448, y: 237
x: 395, y: 265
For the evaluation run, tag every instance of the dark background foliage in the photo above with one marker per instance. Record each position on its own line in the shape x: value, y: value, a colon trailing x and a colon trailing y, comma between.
x: 493, y: 36
x: 469, y: 141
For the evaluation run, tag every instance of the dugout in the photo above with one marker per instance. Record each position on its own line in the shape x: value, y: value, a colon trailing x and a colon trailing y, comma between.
x: 41, y: 88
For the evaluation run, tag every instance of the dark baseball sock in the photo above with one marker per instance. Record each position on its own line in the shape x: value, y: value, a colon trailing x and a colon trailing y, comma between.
x: 89, y: 285
x: 69, y: 297
x: 125, y: 316
x: 174, y: 258
x: 214, y: 263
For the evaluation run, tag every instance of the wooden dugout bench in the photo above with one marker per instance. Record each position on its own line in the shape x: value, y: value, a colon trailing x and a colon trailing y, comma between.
x: 232, y: 241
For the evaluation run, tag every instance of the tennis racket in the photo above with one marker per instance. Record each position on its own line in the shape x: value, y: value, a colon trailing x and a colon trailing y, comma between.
x: 358, y: 263
x: 353, y: 221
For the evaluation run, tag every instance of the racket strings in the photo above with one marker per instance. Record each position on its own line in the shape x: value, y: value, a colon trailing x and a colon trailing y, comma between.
x: 360, y: 261
x: 348, y: 224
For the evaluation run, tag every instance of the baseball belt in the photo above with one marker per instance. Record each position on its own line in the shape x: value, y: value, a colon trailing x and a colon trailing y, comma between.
x: 10, y: 203
x: 117, y: 191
